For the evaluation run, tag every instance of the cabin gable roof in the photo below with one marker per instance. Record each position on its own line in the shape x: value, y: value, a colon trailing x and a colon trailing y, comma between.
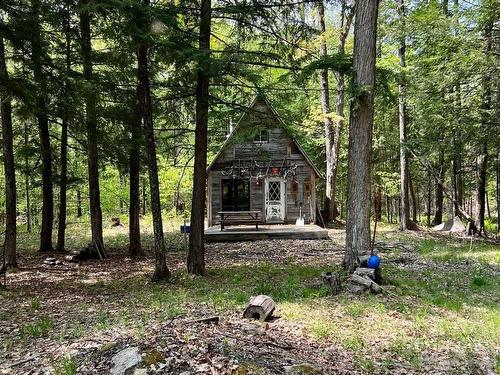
x: 279, y: 122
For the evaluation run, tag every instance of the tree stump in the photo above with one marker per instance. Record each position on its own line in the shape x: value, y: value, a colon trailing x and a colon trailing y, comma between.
x: 332, y: 281
x: 260, y: 307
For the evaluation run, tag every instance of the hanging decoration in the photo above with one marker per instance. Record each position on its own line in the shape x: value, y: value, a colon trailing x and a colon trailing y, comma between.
x: 251, y: 169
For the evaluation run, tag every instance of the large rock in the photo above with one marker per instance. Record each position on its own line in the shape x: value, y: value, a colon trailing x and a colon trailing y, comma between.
x: 125, y: 360
x: 454, y: 225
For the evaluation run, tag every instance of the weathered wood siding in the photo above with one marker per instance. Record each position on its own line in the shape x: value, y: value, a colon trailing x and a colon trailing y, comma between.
x: 278, y: 151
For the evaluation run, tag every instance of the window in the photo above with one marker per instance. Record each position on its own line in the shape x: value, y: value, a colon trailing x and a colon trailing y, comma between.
x: 262, y: 136
x: 274, y: 192
x: 294, y: 149
x: 235, y: 195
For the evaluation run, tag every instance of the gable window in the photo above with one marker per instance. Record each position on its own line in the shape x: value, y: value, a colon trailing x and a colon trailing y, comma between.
x: 262, y: 136
x: 294, y: 149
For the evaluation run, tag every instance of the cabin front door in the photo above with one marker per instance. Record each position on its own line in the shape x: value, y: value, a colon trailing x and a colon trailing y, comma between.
x: 275, y: 200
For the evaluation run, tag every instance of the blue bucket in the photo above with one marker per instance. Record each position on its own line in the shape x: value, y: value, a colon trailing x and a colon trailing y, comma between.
x: 374, y: 261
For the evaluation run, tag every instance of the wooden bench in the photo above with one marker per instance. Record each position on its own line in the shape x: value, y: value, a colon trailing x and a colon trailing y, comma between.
x: 239, y: 217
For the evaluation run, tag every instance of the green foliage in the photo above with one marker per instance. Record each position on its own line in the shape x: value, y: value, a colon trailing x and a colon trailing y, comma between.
x: 338, y: 62
x: 35, y: 304
x: 66, y: 366
x: 39, y: 328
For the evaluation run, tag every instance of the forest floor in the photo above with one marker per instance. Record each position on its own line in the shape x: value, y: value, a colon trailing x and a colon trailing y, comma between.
x: 442, y: 315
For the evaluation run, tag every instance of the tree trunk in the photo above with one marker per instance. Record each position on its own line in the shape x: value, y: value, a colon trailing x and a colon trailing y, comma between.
x: 63, y: 183
x: 144, y: 199
x: 134, y: 177
x: 43, y: 128
x: 403, y: 153
x: 481, y: 164
x: 457, y: 183
x: 445, y: 7
x: 388, y: 209
x: 91, y: 122
x: 457, y: 160
x: 414, y: 202
x: 196, y: 254
x: 498, y: 192
x: 333, y: 127
x: 327, y: 118
x: 346, y: 17
x: 8, y: 164
x: 429, y: 197
x: 360, y: 135
x: 418, y: 204
x: 161, y: 270
x: 27, y: 183
x: 61, y: 230
x: 439, y: 195
x: 79, y: 203
x: 482, y: 158
x: 443, y: 190
x: 487, y: 204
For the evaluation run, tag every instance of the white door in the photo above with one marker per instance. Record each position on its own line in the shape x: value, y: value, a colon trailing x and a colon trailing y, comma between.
x: 275, y: 199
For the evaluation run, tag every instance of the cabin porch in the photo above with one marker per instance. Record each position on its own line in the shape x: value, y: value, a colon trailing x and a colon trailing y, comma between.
x: 265, y: 232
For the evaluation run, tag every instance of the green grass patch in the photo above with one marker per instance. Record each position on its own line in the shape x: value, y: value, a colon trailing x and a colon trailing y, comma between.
x: 451, y: 251
x: 407, y: 350
x: 354, y: 309
x: 66, y: 366
x: 479, y: 282
x: 35, y: 304
x: 39, y: 328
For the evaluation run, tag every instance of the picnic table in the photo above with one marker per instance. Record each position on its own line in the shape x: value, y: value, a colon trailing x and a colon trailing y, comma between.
x: 239, y: 217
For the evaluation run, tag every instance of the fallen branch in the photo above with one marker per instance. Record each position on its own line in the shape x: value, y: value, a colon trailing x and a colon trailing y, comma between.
x: 210, y: 319
x: 25, y: 360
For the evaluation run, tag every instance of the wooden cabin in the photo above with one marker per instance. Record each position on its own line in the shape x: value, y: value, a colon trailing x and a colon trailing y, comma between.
x: 262, y: 168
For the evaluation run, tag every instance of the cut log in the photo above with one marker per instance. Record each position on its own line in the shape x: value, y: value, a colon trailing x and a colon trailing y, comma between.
x: 363, y: 260
x: 260, y: 307
x: 332, y: 281
x: 366, y: 282
x: 355, y: 289
x: 365, y: 272
x: 375, y: 288
x: 356, y: 279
